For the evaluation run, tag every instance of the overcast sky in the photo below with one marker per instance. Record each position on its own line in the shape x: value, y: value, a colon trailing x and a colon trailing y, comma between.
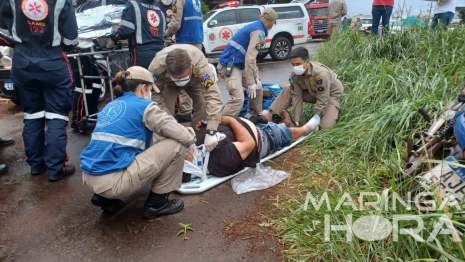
x: 355, y: 7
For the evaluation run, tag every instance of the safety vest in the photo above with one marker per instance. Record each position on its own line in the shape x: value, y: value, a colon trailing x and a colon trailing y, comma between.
x: 237, y: 46
x: 191, y: 31
x: 119, y: 136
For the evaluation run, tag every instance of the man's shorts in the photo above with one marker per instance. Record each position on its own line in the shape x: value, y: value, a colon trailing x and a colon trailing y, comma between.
x: 279, y: 136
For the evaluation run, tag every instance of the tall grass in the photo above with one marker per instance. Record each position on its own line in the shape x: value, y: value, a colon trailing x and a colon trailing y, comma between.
x: 385, y: 82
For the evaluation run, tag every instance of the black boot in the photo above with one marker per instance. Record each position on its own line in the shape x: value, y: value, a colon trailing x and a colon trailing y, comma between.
x: 106, y: 204
x: 159, y: 205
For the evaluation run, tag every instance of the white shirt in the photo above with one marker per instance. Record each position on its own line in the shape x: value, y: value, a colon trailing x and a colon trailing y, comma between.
x: 448, y: 6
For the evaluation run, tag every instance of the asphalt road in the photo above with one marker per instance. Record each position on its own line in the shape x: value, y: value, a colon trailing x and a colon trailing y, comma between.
x: 43, y: 221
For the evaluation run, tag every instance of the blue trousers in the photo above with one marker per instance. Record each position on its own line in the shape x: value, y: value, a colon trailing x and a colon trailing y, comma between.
x: 443, y: 18
x: 44, y: 88
x: 379, y: 12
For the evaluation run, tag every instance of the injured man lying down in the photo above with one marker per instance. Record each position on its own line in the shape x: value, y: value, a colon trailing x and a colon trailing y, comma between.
x: 247, y: 141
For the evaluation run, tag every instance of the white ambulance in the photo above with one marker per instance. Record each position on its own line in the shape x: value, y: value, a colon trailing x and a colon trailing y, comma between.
x: 219, y: 26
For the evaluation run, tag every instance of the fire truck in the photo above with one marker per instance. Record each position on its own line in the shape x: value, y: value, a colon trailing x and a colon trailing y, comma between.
x: 318, y: 24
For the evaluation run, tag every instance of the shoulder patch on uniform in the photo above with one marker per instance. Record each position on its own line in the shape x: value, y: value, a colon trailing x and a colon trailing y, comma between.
x: 291, y: 80
x: 261, y: 36
x: 175, y: 9
x: 258, y: 46
x: 320, y: 88
x: 205, y: 78
x: 318, y: 80
x: 125, y: 8
x: 155, y: 77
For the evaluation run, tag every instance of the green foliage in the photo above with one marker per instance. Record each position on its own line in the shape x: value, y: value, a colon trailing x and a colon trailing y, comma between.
x: 462, y: 15
x: 205, y: 7
x: 184, y: 229
x: 385, y: 82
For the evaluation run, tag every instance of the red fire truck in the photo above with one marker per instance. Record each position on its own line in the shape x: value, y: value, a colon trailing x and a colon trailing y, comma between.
x: 318, y: 26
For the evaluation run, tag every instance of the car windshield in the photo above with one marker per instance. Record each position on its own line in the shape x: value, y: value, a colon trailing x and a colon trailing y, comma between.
x: 367, y: 21
x: 207, y: 15
x: 317, y: 11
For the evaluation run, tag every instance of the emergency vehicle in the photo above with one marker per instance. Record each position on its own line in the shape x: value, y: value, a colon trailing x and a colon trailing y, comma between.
x: 220, y: 25
x: 318, y: 25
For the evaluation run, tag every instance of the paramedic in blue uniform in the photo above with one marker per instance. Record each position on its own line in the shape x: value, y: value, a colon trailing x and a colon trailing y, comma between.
x: 241, y: 55
x: 42, y: 31
x: 143, y: 24
x: 121, y: 157
x: 187, y: 24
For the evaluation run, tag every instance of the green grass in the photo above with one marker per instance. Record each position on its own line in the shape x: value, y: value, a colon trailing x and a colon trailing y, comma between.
x: 385, y: 83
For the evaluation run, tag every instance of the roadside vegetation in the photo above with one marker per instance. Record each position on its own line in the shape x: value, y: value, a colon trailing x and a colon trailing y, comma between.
x: 385, y: 83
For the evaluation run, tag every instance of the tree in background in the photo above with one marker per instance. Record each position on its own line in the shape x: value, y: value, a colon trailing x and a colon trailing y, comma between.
x: 205, y: 6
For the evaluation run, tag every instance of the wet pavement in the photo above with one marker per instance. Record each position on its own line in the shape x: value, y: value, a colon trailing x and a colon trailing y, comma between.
x: 43, y: 221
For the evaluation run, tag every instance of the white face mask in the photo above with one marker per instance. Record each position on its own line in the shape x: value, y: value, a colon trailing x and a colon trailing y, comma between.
x: 298, y: 70
x: 149, y: 97
x: 181, y: 82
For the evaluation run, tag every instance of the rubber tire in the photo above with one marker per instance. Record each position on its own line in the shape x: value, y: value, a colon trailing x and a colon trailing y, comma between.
x: 280, y: 41
x: 15, y: 100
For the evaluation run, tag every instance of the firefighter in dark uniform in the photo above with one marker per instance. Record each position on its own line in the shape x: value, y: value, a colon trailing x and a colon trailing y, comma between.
x: 42, y: 31
x: 143, y: 23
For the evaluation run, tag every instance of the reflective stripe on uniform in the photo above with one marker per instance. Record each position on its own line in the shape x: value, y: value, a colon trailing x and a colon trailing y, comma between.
x: 66, y: 41
x: 164, y: 20
x: 37, y: 115
x: 121, y: 140
x: 56, y: 34
x: 126, y: 24
x: 138, y: 22
x: 97, y: 86
x: 193, y: 18
x: 49, y: 115
x: 238, y: 47
x: 13, y: 28
x: 78, y: 89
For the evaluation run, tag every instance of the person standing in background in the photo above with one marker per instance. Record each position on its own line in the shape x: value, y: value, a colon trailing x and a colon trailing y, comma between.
x: 381, y: 9
x: 337, y: 9
x: 444, y: 12
x: 358, y: 24
x: 42, y: 77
